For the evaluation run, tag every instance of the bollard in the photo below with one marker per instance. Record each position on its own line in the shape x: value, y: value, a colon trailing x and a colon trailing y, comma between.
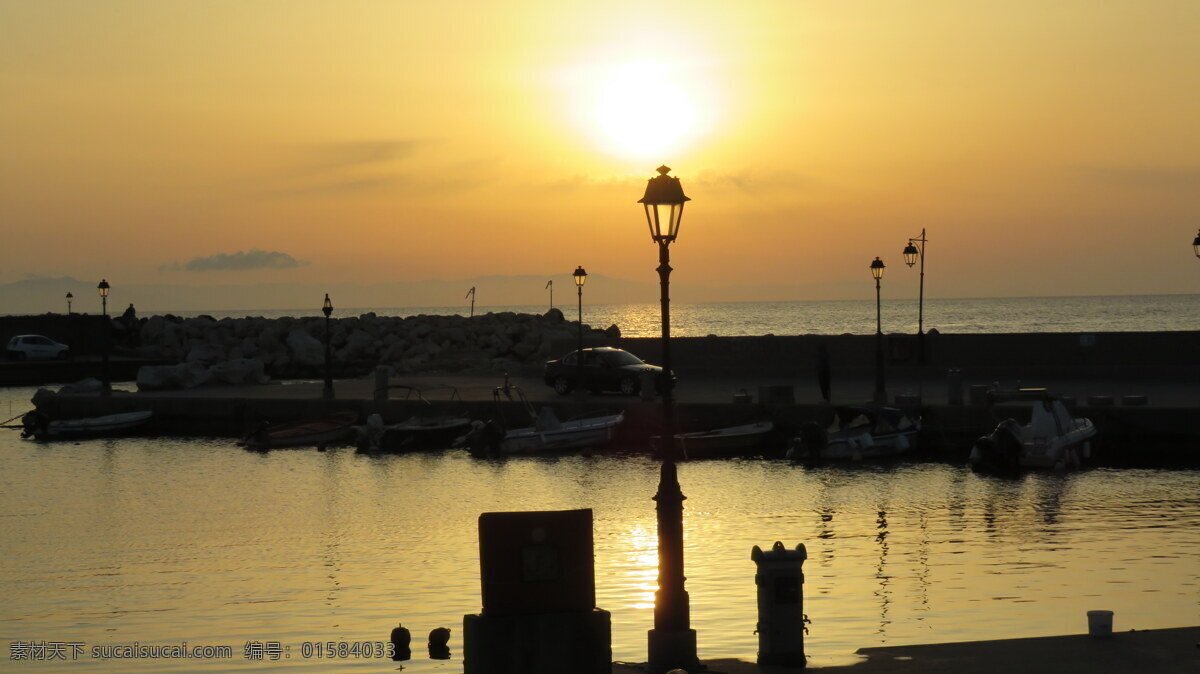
x: 381, y: 383
x: 439, y: 644
x: 781, y: 620
x: 954, y: 386
x: 647, y: 386
x: 401, y: 641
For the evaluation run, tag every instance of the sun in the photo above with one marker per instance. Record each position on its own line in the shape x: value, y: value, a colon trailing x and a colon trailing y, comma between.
x: 640, y: 109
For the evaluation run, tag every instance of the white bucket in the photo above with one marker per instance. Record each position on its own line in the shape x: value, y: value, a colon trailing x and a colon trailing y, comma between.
x: 1100, y: 623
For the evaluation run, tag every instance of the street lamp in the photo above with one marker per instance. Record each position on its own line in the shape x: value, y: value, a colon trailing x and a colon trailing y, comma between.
x: 580, y: 278
x: 69, y: 298
x: 327, y: 392
x: 911, y: 253
x: 550, y: 287
x: 103, y: 288
x: 880, y: 394
x: 672, y: 642
x: 1196, y: 244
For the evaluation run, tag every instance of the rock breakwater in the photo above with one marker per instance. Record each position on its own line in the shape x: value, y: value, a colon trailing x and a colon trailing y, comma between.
x: 256, y: 349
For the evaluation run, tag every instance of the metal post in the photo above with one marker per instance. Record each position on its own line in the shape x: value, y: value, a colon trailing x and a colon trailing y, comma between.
x: 880, y: 392
x: 672, y: 641
x: 107, y: 345
x: 921, y: 306
x: 579, y: 353
x: 327, y: 392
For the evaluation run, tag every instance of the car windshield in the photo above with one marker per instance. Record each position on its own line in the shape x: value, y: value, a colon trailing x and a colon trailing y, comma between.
x: 619, y: 358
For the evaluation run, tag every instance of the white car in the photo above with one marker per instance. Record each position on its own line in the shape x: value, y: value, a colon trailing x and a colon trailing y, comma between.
x: 33, y: 347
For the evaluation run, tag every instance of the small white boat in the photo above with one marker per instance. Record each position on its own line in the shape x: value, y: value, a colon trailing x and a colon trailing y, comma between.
x: 720, y: 442
x: 548, y: 434
x: 43, y: 428
x: 857, y: 433
x: 1051, y: 438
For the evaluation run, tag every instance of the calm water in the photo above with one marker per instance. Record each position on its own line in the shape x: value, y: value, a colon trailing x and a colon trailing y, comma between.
x: 990, y: 315
x: 163, y: 541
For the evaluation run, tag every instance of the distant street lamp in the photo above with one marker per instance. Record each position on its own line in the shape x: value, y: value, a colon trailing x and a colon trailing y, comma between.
x: 105, y: 380
x: 580, y: 278
x: 327, y: 392
x: 69, y: 298
x: 911, y: 253
x: 550, y: 287
x: 880, y: 394
x: 471, y: 294
x: 1196, y: 244
x: 672, y: 642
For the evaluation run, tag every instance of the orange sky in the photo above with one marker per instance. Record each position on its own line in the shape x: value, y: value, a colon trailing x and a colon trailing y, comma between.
x: 1048, y: 148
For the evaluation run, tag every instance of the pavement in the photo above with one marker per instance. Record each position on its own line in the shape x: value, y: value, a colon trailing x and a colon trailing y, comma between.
x: 933, y: 390
x: 1164, y: 651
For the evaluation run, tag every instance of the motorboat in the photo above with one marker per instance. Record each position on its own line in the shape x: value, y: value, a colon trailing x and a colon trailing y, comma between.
x: 39, y: 426
x: 858, y: 432
x: 413, y: 434
x: 545, y: 434
x: 312, y: 432
x: 721, y: 442
x: 1047, y: 437
x: 418, y: 432
x: 548, y: 434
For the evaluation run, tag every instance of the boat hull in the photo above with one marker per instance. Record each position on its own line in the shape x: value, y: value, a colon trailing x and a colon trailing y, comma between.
x: 569, y: 435
x: 91, y: 427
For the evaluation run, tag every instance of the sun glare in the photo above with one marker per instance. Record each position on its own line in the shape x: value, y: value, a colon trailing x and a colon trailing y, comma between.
x: 640, y: 109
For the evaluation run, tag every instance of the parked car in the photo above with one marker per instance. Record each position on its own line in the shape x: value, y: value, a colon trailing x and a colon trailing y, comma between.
x: 604, y: 369
x: 35, y: 347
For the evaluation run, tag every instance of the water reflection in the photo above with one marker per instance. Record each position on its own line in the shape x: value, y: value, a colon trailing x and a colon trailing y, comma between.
x: 153, y: 540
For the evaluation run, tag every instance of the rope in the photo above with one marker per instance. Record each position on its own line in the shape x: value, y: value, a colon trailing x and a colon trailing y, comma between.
x: 6, y: 421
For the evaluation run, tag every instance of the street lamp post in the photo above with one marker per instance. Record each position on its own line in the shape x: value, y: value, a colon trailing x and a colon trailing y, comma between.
x: 107, y: 382
x: 327, y: 392
x: 550, y: 287
x: 880, y: 392
x: 911, y: 253
x: 1196, y: 244
x: 580, y: 278
x: 672, y: 642
x: 69, y: 298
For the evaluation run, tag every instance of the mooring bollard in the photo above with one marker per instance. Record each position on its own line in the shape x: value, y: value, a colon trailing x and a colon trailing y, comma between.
x: 439, y: 644
x: 954, y: 386
x: 401, y: 641
x: 781, y: 620
x: 381, y: 384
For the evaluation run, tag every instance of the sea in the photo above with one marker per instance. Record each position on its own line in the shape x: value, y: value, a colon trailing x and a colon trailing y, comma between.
x: 306, y: 560
x: 1116, y: 313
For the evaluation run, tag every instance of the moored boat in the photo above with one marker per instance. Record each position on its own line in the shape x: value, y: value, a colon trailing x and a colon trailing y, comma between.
x: 314, y: 432
x: 1051, y: 438
x: 721, y: 442
x: 858, y: 432
x: 41, y: 427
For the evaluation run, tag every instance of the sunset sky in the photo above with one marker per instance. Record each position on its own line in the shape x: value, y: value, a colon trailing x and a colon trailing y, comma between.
x: 1049, y: 148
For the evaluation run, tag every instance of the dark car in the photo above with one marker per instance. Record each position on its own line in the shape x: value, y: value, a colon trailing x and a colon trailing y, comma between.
x: 604, y: 369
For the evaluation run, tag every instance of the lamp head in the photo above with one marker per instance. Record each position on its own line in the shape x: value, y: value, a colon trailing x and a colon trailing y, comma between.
x: 877, y: 269
x: 327, y: 307
x: 103, y: 288
x: 910, y: 254
x: 664, y: 201
x: 1196, y: 244
x: 580, y: 276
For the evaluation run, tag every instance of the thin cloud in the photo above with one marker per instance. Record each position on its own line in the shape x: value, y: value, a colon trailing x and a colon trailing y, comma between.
x: 240, y: 261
